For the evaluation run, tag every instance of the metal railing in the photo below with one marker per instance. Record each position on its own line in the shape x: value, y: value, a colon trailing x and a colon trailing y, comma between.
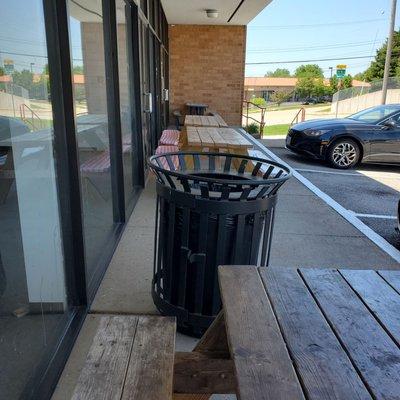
x: 33, y: 117
x: 300, y: 114
x: 249, y: 106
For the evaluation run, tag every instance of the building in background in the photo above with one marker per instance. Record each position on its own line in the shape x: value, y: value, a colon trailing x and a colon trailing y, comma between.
x: 264, y: 87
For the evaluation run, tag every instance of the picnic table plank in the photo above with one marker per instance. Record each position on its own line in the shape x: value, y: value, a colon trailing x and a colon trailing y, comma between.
x: 380, y: 298
x: 373, y: 352
x: 325, y: 369
x: 263, y: 367
x: 193, y: 137
x: 150, y: 371
x: 234, y: 139
x: 205, y: 137
x: 104, y: 372
x: 392, y: 277
x: 216, y: 137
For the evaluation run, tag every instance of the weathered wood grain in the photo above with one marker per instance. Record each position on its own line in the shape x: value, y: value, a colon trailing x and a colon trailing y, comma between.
x: 264, y: 370
x: 324, y: 367
x: 104, y: 372
x: 203, y: 373
x: 380, y: 298
x: 372, y: 351
x: 150, y: 370
x: 214, y: 339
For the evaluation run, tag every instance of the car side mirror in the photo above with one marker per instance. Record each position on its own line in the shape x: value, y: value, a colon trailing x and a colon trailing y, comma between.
x: 390, y: 124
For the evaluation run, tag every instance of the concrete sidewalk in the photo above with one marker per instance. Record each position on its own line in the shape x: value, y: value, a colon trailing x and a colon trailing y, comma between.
x: 307, y: 233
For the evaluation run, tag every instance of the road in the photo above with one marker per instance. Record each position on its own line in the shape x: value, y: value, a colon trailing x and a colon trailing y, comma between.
x: 371, y: 192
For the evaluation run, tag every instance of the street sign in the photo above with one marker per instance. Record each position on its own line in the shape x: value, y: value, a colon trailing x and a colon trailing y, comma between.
x: 341, y: 70
x: 8, y: 66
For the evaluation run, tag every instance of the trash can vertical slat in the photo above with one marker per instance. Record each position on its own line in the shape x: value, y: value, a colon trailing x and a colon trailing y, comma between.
x: 199, y: 285
x: 221, y: 244
x: 170, y: 262
x: 184, y: 257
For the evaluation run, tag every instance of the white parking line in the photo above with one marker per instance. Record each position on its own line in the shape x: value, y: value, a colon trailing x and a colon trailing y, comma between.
x: 328, y: 172
x: 346, y: 214
x: 378, y: 216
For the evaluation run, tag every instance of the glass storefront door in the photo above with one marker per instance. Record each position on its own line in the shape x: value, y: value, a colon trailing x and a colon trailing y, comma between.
x: 34, y: 308
x: 92, y: 130
x: 126, y: 89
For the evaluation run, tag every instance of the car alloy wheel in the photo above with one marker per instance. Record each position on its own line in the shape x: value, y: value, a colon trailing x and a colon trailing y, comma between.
x: 344, y: 155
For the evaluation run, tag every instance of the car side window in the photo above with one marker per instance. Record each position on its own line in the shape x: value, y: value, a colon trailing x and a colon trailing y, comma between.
x: 396, y: 119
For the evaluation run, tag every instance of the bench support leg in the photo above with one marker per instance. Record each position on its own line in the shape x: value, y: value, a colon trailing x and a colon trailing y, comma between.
x: 208, y: 369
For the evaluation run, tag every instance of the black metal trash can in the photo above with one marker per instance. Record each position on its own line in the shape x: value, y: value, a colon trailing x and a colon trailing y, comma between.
x: 212, y: 209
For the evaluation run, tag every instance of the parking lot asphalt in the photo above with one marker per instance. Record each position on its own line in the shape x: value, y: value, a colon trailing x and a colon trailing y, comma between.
x: 371, y: 192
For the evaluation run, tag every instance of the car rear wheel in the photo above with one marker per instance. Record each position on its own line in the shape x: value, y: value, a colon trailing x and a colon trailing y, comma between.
x: 344, y: 153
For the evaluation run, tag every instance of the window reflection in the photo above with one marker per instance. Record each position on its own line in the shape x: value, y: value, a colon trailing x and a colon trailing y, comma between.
x: 125, y: 89
x: 92, y: 130
x: 33, y: 303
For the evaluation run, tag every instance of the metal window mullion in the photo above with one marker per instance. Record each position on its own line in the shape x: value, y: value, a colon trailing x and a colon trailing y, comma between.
x: 135, y: 95
x: 113, y: 109
x: 65, y: 149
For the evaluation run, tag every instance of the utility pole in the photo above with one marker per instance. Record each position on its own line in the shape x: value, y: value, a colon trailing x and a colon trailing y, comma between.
x: 388, y: 52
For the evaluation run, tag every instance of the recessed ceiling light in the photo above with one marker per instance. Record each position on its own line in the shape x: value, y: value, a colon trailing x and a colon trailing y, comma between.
x: 212, y: 13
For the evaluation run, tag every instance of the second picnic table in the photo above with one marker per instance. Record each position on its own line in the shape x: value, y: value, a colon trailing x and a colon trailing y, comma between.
x: 212, y: 132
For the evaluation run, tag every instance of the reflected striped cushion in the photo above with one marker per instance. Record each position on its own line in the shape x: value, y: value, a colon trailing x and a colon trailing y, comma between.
x: 170, y: 137
x: 3, y: 159
x: 97, y: 164
x: 168, y: 149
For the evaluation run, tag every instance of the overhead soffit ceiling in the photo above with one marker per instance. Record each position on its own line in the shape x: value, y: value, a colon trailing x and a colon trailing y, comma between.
x: 91, y: 10
x: 193, y: 12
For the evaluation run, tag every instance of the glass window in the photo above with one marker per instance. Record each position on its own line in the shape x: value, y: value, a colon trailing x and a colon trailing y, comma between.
x: 33, y: 301
x: 374, y: 114
x: 92, y: 134
x: 125, y: 89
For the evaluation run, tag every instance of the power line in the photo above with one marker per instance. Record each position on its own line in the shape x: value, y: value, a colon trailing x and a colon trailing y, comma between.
x: 315, y: 25
x: 304, y: 48
x: 302, y: 61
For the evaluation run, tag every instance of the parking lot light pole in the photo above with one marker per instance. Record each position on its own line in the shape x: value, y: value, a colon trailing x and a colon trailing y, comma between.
x: 388, y: 52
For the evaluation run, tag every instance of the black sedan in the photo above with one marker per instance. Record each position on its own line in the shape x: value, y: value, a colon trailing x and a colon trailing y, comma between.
x: 369, y: 136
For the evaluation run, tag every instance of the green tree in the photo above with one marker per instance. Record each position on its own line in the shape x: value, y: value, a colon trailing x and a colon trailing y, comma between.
x: 305, y: 86
x: 309, y: 70
x: 78, y: 69
x: 279, y: 97
x: 360, y: 76
x: 2, y: 72
x: 259, y: 101
x: 376, y: 69
x: 334, y: 84
x: 319, y: 87
x: 23, y: 78
x: 347, y: 82
x: 279, y: 73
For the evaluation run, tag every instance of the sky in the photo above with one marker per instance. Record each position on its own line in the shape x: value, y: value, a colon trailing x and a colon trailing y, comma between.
x: 23, y: 37
x: 291, y: 30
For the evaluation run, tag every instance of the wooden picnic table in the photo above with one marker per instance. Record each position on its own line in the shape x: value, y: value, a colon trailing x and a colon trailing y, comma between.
x: 197, y: 108
x: 310, y: 333
x: 195, y: 138
x: 204, y: 120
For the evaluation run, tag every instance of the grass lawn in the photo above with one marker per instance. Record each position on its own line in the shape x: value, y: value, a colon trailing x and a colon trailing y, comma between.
x: 280, y: 129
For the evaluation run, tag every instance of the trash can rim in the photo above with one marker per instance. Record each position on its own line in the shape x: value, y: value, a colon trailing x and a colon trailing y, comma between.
x: 257, y: 182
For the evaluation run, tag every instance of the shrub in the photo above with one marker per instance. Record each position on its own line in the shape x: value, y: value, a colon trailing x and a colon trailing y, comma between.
x: 253, y: 128
x: 259, y: 101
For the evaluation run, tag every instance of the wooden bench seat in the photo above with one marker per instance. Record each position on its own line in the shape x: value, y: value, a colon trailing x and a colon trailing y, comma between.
x: 131, y: 357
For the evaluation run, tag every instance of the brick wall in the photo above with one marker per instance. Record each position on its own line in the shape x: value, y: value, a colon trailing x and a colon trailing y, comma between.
x: 207, y: 66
